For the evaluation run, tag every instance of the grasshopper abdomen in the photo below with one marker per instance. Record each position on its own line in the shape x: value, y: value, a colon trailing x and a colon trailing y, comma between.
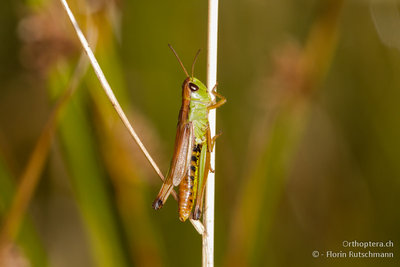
x: 188, y: 186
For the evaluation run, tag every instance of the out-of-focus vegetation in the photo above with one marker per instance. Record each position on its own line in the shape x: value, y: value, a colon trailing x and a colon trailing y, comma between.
x: 309, y: 155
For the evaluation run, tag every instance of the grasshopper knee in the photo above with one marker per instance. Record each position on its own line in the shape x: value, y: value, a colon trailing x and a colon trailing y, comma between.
x: 196, y: 213
x: 157, y: 204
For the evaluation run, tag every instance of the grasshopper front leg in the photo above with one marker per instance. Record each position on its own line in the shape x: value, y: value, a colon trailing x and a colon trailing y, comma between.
x: 212, y: 142
x: 216, y: 104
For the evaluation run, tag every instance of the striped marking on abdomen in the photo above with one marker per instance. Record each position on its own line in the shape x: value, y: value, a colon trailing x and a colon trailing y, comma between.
x: 188, y: 186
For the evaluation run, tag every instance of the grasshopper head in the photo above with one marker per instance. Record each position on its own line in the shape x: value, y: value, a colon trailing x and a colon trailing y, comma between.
x: 194, y: 88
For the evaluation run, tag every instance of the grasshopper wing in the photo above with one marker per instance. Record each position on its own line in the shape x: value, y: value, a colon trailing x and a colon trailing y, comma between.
x: 183, y: 148
x: 180, y: 162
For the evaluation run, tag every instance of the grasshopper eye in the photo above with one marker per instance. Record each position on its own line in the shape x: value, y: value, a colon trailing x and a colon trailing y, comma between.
x: 193, y: 87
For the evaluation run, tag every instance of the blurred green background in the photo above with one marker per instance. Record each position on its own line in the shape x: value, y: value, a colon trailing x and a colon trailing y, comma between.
x: 309, y: 155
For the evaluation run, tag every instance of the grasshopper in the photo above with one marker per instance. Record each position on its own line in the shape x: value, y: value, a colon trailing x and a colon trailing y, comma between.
x: 190, y: 163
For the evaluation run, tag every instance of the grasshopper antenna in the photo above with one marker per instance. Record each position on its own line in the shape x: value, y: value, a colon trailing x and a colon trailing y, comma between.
x: 194, y: 61
x: 180, y: 62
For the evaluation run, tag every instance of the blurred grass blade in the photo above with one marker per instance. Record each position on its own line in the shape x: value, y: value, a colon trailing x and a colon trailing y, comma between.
x: 263, y: 188
x: 260, y: 194
x: 89, y: 184
x: 33, y: 170
x: 28, y: 239
x: 386, y: 17
x: 131, y: 192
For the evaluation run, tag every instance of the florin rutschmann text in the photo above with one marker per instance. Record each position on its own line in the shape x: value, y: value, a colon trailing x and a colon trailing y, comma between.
x: 359, y: 249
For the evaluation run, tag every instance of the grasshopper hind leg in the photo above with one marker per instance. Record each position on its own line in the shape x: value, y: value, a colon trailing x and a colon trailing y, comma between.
x: 205, y: 168
x: 197, y: 212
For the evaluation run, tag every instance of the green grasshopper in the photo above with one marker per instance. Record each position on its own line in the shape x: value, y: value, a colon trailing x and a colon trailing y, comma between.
x: 190, y: 163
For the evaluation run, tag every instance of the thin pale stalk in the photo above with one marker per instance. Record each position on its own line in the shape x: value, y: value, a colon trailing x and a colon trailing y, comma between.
x: 208, y: 220
x: 110, y: 94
